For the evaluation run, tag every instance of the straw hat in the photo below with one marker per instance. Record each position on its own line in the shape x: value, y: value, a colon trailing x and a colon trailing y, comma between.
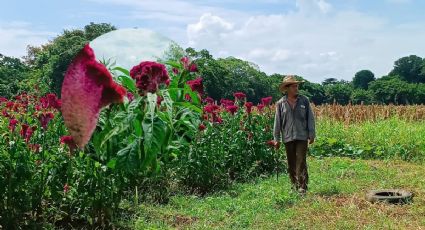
x: 288, y: 80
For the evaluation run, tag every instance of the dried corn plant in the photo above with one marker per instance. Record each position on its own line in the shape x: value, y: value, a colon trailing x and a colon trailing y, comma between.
x: 359, y: 113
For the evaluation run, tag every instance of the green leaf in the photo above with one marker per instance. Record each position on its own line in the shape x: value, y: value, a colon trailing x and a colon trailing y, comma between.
x: 168, y: 102
x: 128, y: 157
x: 111, y: 164
x: 154, y: 132
x: 128, y: 82
x: 122, y: 70
x: 176, y: 94
x: 189, y: 106
x: 174, y: 64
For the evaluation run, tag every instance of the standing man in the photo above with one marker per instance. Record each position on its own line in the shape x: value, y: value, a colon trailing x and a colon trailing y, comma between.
x: 294, y: 124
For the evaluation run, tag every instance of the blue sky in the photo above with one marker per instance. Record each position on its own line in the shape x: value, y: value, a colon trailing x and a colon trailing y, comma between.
x: 312, y: 38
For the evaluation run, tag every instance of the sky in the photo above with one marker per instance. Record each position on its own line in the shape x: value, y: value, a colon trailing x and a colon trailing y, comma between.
x: 316, y: 39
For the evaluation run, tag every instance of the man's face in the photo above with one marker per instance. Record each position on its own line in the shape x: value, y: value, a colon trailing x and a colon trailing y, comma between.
x: 293, y: 89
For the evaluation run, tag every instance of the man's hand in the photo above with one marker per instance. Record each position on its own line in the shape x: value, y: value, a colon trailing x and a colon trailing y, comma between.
x: 310, y: 141
x: 277, y: 144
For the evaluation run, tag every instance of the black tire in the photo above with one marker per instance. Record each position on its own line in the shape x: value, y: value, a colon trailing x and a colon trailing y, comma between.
x: 392, y: 196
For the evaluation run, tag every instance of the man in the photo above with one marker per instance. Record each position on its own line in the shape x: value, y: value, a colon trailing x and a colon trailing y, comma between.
x: 294, y: 124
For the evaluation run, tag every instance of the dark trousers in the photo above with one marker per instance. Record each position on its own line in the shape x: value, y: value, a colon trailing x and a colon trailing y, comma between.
x: 296, y: 153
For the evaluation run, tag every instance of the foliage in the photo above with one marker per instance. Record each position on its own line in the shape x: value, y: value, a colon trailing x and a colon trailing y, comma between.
x: 410, y: 69
x: 12, y: 72
x: 362, y: 79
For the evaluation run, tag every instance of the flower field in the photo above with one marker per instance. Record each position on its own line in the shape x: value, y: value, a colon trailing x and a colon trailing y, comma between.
x: 121, y: 136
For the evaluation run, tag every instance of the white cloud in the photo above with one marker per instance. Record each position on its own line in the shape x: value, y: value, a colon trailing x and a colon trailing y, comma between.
x: 319, y: 45
x: 15, y: 36
x: 207, y: 27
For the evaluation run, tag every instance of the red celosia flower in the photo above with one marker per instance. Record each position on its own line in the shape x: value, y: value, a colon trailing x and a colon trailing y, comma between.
x: 45, y: 118
x: 193, y: 68
x: 239, y: 95
x: 53, y: 101
x: 149, y: 75
x: 211, y: 108
x: 232, y: 109
x: 24, y: 128
x: 12, y: 124
x: 204, y: 116
x: 10, y: 104
x: 3, y: 99
x: 34, y: 147
x: 196, y: 85
x: 217, y: 119
x: 130, y: 96
x: 248, y: 106
x: 68, y: 140
x: 175, y: 71
x: 5, y: 113
x: 87, y: 87
x: 225, y: 102
x: 260, y: 107
x: 26, y: 132
x: 66, y: 188
x: 266, y: 100
x: 159, y: 99
x: 44, y: 102
x: 209, y: 100
x: 202, y: 127
x: 185, y: 62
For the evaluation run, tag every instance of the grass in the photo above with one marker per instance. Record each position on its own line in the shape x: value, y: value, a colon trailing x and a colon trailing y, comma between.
x: 390, y: 139
x: 335, y: 201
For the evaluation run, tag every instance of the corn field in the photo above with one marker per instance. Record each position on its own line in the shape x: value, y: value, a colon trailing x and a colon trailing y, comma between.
x: 359, y: 113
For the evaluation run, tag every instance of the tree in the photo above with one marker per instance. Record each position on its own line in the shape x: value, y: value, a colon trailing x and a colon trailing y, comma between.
x: 409, y: 69
x: 391, y: 89
x: 224, y: 76
x: 94, y: 30
x: 314, y: 91
x: 338, y: 92
x: 12, y: 72
x: 329, y: 81
x: 359, y: 96
x: 362, y: 79
x: 53, y: 59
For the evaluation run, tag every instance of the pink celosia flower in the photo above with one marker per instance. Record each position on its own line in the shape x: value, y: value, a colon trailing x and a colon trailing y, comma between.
x: 225, y: 102
x: 87, y: 87
x: 149, y: 75
x: 45, y: 118
x: 239, y: 95
x: 12, y: 124
x: 266, y: 100
x: 196, y: 85
x: 209, y: 100
x: 232, y: 109
x: 202, y: 127
x: 248, y: 106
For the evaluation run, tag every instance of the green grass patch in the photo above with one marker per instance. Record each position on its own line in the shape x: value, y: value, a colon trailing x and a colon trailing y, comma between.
x: 336, y: 200
x: 386, y: 139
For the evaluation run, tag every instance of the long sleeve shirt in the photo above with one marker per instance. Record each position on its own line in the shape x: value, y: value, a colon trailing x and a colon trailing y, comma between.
x: 294, y: 124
